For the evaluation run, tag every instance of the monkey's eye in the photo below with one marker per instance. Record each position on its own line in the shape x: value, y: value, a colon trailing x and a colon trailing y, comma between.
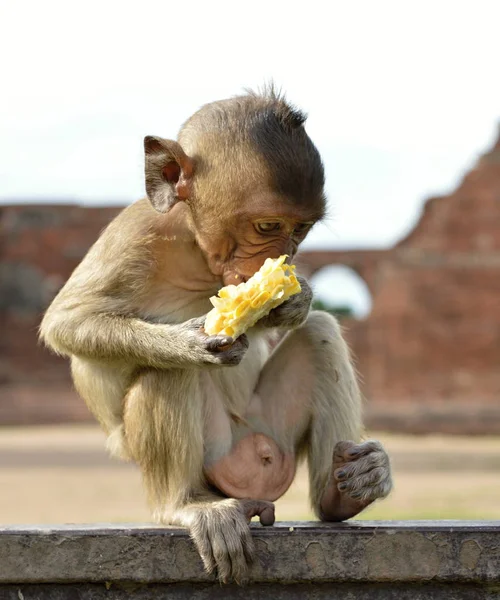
x: 301, y: 228
x: 267, y: 227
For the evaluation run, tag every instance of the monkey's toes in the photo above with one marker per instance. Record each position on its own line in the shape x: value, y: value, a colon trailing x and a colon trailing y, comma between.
x: 349, y: 450
x: 261, y: 508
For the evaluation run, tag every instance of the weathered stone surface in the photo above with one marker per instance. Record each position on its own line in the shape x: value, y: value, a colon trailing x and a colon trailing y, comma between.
x: 363, y: 551
x: 429, y: 351
x: 442, y: 559
x: 277, y: 591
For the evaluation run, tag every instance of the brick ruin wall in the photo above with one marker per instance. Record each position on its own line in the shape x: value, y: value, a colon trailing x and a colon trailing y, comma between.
x: 429, y: 352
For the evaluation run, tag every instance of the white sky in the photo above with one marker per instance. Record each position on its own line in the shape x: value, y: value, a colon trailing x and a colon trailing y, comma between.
x: 402, y: 96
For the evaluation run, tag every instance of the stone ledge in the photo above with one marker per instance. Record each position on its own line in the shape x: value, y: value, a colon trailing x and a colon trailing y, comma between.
x: 358, y: 552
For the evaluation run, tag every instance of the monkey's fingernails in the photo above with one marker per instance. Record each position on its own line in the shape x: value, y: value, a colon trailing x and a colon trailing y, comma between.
x: 225, y: 344
x: 362, y: 449
x: 219, y: 344
x: 342, y: 449
x: 225, y: 341
x: 223, y: 348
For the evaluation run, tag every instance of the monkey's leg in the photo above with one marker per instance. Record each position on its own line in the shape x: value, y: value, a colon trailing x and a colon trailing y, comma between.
x: 164, y: 420
x: 310, y: 397
x: 103, y: 387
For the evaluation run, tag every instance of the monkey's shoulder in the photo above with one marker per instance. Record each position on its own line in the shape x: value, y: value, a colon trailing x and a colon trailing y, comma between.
x: 139, y: 225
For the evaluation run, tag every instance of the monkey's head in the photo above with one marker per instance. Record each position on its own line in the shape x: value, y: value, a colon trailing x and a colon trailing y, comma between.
x: 252, y: 178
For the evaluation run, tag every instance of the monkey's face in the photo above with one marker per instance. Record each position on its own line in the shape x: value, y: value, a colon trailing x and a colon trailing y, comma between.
x: 253, y: 179
x: 264, y: 226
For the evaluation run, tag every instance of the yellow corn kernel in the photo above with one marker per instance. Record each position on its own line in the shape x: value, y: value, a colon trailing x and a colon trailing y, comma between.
x: 242, y: 308
x: 260, y: 300
x: 239, y: 307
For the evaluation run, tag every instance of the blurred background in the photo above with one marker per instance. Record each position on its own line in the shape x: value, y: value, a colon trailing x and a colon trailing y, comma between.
x: 404, y: 105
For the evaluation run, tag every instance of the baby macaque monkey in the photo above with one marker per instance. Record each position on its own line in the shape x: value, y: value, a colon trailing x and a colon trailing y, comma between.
x: 218, y: 425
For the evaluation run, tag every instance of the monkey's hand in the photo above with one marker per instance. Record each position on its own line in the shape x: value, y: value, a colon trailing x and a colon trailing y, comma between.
x: 222, y: 535
x: 361, y: 473
x: 217, y: 350
x: 293, y: 312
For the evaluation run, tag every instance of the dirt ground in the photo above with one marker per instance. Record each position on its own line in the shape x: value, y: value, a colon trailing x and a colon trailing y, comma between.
x: 62, y: 475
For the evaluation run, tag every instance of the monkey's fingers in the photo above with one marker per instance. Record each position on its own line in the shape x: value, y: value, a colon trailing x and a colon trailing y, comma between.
x: 367, y: 486
x: 196, y: 324
x: 340, y: 452
x: 225, y: 544
x: 261, y: 508
x: 363, y: 464
x: 218, y: 343
x: 366, y: 474
x: 200, y: 535
x: 223, y: 555
x: 232, y: 354
x: 205, y: 549
x: 216, y: 540
x: 240, y: 550
x: 349, y: 451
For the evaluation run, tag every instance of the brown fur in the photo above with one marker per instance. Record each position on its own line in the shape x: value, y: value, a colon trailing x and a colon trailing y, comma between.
x: 175, y: 400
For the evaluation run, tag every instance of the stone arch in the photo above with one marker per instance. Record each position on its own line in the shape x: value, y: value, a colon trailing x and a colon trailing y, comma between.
x: 341, y: 287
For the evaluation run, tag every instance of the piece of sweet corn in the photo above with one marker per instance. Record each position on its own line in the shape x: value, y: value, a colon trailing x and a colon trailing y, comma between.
x: 239, y: 307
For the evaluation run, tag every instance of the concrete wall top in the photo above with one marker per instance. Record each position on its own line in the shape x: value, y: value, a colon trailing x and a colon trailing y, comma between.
x: 288, y: 553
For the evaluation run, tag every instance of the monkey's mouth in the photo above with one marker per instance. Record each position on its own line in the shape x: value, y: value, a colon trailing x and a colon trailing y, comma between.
x: 232, y: 278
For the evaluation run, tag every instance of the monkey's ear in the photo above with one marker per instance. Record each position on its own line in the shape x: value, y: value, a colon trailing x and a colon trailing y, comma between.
x: 168, y: 172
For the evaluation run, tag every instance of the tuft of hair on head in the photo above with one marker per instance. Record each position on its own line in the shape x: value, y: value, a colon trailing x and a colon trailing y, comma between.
x: 275, y: 129
x: 290, y: 116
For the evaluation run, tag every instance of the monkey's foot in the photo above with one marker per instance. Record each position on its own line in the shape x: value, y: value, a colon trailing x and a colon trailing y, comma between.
x: 362, y: 471
x: 221, y: 533
x: 255, y: 468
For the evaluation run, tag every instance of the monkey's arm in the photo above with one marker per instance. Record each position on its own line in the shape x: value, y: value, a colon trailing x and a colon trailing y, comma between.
x: 95, y: 314
x: 110, y: 337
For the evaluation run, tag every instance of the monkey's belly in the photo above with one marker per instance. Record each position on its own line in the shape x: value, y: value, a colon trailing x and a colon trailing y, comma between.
x: 255, y: 468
